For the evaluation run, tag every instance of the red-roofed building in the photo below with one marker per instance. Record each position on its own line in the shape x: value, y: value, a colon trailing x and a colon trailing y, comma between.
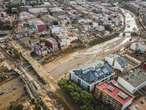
x: 112, y: 93
x: 144, y: 66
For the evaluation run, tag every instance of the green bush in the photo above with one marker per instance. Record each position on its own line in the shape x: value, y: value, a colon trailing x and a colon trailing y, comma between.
x: 87, y: 107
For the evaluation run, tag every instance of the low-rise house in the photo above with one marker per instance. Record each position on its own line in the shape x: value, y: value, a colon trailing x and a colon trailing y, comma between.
x: 91, y: 75
x: 41, y: 49
x: 44, y: 46
x: 49, y: 20
x: 135, y: 80
x: 25, y: 16
x: 38, y: 11
x: 64, y: 35
x: 98, y: 27
x: 112, y: 93
x: 138, y: 47
x: 55, y: 29
x: 5, y: 21
x: 66, y: 38
x: 20, y: 35
x: 36, y: 48
x: 64, y: 19
x: 31, y: 2
x: 51, y: 43
x: 37, y: 25
x: 117, y: 62
x: 56, y: 11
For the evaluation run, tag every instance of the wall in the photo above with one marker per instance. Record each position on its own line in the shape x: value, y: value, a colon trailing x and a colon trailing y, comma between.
x: 76, y: 79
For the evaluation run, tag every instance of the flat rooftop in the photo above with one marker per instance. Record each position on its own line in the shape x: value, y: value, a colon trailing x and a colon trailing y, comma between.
x: 136, y: 77
x: 113, y: 90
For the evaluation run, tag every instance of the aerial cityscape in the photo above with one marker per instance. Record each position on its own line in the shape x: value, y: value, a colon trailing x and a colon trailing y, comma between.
x: 72, y: 54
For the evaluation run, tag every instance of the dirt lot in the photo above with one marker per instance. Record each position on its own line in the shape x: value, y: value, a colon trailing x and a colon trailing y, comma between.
x: 9, y: 92
x: 57, y: 68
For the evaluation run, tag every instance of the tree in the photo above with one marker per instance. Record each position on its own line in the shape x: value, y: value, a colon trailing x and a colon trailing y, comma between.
x: 87, y: 107
x: 84, y: 99
x: 75, y: 96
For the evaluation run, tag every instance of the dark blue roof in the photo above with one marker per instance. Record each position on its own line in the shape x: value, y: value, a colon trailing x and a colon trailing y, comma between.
x: 122, y: 61
x: 95, y: 73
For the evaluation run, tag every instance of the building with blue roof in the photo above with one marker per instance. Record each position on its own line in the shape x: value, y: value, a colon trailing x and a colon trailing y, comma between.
x: 117, y: 62
x: 90, y: 75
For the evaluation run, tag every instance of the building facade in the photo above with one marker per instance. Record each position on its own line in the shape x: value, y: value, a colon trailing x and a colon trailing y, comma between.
x: 111, y: 93
x: 91, y: 75
x: 135, y: 80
